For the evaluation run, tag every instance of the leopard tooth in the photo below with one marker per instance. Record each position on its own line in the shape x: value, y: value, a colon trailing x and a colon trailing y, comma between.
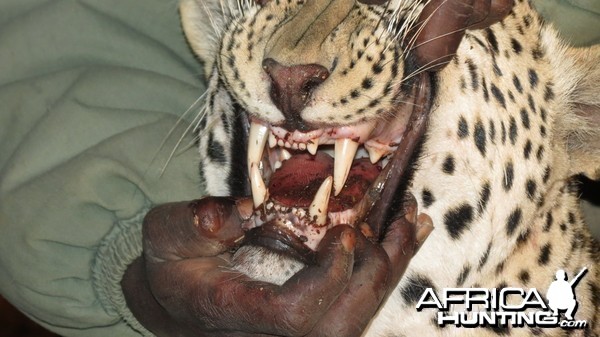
x: 375, y: 154
x: 272, y: 140
x: 345, y: 150
x: 312, y: 146
x: 318, y: 208
x: 259, y: 190
x: 257, y: 140
x: 285, y: 154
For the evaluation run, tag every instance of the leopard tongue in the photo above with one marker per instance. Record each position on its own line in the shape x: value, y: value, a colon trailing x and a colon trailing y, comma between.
x: 299, y: 178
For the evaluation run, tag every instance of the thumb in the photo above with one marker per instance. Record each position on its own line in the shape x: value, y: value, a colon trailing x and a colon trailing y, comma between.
x: 198, y: 228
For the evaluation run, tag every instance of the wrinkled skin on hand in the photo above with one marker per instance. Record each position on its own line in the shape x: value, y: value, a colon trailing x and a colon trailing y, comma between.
x: 184, y: 284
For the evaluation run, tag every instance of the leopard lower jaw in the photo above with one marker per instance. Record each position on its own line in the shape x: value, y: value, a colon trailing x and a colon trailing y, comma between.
x: 300, y: 222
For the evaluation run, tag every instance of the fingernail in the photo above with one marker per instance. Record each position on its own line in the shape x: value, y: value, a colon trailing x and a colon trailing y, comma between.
x: 366, y: 230
x: 411, y: 213
x: 424, y: 228
x: 348, y: 239
x: 245, y: 208
x: 201, y: 217
x: 409, y: 206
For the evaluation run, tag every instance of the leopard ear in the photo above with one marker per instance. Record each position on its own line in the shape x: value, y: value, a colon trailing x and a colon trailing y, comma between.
x: 583, y: 138
x: 203, y: 22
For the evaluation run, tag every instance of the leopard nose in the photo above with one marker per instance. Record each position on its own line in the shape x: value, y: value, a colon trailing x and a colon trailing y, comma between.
x: 291, y: 87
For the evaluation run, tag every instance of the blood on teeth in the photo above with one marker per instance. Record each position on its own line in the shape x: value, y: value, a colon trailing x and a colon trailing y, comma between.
x: 318, y: 207
x: 272, y: 140
x: 281, y: 142
x: 375, y: 154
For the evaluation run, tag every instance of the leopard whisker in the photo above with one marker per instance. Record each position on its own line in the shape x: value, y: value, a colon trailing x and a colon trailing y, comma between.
x: 173, y: 128
x: 428, y: 66
x: 194, y: 123
x: 216, y: 28
x: 410, y: 12
x: 419, y: 26
x: 387, y: 5
x: 438, y: 37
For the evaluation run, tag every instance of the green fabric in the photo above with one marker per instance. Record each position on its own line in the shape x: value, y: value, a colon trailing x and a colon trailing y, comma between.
x: 88, y: 91
x: 577, y: 20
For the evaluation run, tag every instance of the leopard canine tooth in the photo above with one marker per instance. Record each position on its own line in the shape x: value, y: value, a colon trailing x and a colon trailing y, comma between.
x: 318, y: 207
x: 257, y: 140
x: 256, y: 143
x: 259, y: 190
x: 345, y: 150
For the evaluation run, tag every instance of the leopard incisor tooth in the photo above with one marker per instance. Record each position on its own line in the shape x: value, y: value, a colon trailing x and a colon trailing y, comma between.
x: 318, y: 207
x: 272, y: 140
x: 259, y: 190
x: 345, y: 150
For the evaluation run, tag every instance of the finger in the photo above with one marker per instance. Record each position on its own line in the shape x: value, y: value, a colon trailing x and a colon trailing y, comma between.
x: 377, y: 271
x: 355, y: 307
x: 424, y: 228
x: 443, y: 24
x: 481, y: 11
x: 205, y: 227
x: 400, y: 241
x: 207, y: 291
x: 497, y: 10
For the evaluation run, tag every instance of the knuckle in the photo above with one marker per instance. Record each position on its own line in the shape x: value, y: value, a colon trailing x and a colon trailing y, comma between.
x: 298, y: 323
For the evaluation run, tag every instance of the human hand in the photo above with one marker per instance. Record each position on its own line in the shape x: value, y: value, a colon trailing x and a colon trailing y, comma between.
x: 185, y: 285
x: 442, y: 25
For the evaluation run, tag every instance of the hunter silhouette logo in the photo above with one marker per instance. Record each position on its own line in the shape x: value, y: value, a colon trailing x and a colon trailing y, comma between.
x: 561, y: 294
x: 509, y: 306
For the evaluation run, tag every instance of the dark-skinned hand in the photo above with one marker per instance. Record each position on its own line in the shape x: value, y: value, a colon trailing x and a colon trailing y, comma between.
x: 184, y: 284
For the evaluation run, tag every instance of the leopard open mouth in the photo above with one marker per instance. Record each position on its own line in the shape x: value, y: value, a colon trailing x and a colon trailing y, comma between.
x: 304, y: 183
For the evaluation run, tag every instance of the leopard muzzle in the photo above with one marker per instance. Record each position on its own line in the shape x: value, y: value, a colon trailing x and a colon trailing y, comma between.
x: 304, y: 183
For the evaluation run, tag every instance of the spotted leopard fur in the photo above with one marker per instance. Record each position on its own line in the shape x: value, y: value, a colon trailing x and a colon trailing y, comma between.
x: 516, y: 115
